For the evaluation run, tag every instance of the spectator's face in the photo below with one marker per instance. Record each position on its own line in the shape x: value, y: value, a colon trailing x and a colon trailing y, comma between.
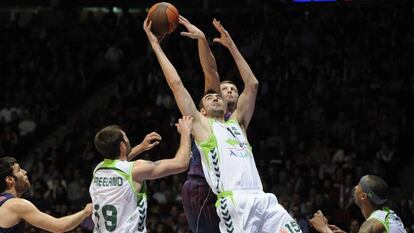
x: 354, y: 226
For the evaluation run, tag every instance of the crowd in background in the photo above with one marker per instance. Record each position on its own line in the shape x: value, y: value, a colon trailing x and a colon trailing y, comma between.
x: 334, y: 104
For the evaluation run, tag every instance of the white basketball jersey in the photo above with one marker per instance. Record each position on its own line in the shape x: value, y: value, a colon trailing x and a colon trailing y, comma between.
x: 390, y: 220
x: 227, y: 159
x: 117, y: 207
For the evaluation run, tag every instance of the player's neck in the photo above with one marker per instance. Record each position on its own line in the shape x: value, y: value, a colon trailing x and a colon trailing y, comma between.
x: 13, y: 192
x: 218, y: 118
x: 231, y: 107
x: 367, y: 210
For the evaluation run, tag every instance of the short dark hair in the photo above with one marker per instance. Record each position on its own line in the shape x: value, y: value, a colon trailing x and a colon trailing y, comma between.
x: 378, y: 186
x: 6, y: 170
x: 209, y: 91
x: 228, y: 81
x: 107, y: 141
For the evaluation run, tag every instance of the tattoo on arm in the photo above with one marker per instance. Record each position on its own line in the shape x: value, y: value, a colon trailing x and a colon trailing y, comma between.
x: 369, y: 227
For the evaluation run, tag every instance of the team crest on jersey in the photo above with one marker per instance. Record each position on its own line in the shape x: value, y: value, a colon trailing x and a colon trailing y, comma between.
x: 238, y: 152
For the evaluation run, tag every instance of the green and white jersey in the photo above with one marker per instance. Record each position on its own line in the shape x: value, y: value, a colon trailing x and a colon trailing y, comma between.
x: 392, y: 223
x: 227, y: 159
x: 117, y: 207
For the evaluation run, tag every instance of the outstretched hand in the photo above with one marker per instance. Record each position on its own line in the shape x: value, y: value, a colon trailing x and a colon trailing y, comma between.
x: 192, y: 31
x: 150, y: 141
x: 225, y: 38
x: 184, y: 125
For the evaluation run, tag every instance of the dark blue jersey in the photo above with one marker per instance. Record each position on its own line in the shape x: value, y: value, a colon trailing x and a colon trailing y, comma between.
x: 195, y: 162
x: 18, y: 228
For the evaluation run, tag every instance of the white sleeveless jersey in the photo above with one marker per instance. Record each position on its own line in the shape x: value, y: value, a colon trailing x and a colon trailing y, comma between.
x: 227, y: 159
x: 117, y: 207
x: 389, y: 220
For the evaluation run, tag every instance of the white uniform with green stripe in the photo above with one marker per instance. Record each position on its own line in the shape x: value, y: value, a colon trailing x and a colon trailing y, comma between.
x: 117, y: 205
x: 389, y: 219
x: 227, y: 159
x: 231, y: 172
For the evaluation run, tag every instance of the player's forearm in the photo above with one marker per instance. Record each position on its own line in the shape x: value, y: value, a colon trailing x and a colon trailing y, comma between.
x: 246, y: 73
x: 209, y: 66
x: 68, y: 223
x: 167, y: 68
x: 136, y: 150
x: 184, y: 151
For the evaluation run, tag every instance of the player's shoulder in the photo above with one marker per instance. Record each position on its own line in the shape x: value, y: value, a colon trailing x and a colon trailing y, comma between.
x: 372, y: 226
x: 18, y: 204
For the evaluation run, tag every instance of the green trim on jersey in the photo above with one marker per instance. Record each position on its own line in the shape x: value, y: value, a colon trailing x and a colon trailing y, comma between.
x: 224, y: 194
x: 109, y: 164
x: 209, y: 144
x: 142, y: 193
x: 385, y: 223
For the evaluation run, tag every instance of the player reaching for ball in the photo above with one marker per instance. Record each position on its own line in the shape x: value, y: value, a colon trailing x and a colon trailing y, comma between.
x: 118, y: 188
x: 226, y: 154
x: 198, y: 199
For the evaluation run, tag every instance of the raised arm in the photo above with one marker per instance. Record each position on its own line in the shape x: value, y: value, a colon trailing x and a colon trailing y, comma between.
x: 150, y: 141
x: 148, y: 170
x: 207, y: 60
x: 182, y: 97
x: 27, y: 211
x: 247, y: 99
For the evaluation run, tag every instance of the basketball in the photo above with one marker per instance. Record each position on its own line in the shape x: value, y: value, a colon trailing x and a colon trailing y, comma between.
x: 164, y: 18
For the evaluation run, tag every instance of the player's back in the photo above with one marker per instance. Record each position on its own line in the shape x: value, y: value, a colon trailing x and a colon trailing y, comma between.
x: 117, y: 206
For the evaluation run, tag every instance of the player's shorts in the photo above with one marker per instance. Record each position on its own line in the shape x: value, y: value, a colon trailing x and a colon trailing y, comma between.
x: 199, y: 206
x: 253, y: 211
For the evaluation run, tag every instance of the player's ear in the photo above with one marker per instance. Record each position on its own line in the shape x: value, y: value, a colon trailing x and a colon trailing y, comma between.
x: 122, y: 146
x: 364, y: 196
x: 203, y: 111
x: 9, y: 181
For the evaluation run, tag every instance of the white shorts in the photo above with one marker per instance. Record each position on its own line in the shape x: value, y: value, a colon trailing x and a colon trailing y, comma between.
x: 254, y: 212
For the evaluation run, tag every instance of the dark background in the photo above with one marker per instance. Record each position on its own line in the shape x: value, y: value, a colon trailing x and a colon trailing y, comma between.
x: 335, y: 97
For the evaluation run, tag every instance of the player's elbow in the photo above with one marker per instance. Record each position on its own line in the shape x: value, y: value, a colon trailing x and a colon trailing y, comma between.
x: 176, y: 83
x: 254, y: 84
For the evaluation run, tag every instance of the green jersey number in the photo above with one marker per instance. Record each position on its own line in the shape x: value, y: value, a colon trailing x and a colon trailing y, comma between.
x: 109, y: 214
x: 293, y: 227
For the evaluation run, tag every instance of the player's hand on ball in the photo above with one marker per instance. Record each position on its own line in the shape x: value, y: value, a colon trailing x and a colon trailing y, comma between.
x: 151, y: 37
x: 192, y: 31
x: 225, y: 38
